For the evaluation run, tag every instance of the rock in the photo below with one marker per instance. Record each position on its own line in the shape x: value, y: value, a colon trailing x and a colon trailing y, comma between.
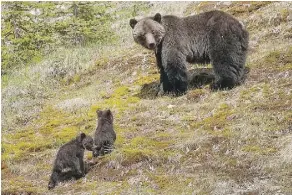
x: 72, y: 104
x: 289, y: 17
x: 275, y: 19
x: 170, y: 106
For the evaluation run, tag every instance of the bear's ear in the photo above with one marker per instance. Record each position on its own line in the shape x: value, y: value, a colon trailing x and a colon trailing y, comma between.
x: 81, y: 137
x: 99, y: 113
x: 157, y: 17
x: 133, y: 22
x: 109, y: 114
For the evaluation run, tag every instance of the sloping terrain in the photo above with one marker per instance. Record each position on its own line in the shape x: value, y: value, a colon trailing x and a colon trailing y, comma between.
x: 226, y: 142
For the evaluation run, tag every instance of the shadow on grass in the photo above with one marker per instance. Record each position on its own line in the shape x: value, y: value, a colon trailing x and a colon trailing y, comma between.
x: 197, y: 78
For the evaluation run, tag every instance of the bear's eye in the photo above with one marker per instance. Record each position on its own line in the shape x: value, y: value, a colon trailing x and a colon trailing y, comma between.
x: 141, y: 37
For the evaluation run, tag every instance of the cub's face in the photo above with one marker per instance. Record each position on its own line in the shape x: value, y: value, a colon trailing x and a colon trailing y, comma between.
x: 88, y: 143
x: 148, y: 32
x: 105, y: 115
x: 85, y: 141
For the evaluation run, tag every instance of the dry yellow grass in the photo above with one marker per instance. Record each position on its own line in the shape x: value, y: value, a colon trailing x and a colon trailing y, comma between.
x: 227, y: 142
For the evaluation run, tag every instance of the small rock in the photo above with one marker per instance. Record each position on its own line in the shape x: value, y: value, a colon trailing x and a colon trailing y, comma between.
x: 275, y: 20
x: 3, y: 166
x: 227, y: 3
x: 170, y: 106
x: 289, y: 17
x: 72, y: 104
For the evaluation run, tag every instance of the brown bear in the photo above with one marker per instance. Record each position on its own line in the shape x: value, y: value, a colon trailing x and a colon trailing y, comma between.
x: 69, y: 161
x: 212, y: 37
x: 105, y: 135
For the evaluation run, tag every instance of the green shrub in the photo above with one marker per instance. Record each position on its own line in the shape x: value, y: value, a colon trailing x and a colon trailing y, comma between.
x: 33, y: 29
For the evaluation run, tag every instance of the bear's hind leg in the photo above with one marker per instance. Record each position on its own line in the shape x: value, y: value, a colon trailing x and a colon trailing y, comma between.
x: 228, y: 66
x: 53, y: 180
x: 223, y: 83
x: 227, y: 52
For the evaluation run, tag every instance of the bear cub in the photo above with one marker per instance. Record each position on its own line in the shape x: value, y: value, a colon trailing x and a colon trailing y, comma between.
x: 69, y: 162
x: 212, y: 37
x: 105, y: 135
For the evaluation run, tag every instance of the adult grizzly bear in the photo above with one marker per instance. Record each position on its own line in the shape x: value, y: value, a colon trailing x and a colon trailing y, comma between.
x: 212, y: 37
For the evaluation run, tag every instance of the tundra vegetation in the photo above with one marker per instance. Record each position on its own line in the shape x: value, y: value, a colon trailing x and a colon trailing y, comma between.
x: 55, y: 77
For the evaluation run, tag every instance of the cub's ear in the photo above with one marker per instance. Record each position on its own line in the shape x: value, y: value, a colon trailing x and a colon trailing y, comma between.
x: 109, y: 114
x: 99, y: 113
x: 133, y: 22
x: 157, y: 17
x: 81, y: 137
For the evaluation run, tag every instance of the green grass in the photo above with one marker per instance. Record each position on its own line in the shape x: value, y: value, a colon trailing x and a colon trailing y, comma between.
x: 204, y: 142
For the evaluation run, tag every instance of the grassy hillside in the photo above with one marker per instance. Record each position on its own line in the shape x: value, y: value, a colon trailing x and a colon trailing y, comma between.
x: 226, y: 142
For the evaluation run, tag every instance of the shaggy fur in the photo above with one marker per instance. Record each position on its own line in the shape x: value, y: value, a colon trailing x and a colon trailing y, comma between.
x: 105, y: 135
x: 212, y: 37
x: 69, y: 161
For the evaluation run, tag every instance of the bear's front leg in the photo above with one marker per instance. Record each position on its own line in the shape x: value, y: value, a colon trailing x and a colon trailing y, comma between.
x: 176, y: 78
x: 77, y: 168
x: 96, y: 150
x: 82, y: 169
x: 164, y: 81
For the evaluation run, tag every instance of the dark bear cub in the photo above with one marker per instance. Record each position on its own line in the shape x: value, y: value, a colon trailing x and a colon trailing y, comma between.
x: 105, y: 135
x: 69, y: 162
x: 212, y: 37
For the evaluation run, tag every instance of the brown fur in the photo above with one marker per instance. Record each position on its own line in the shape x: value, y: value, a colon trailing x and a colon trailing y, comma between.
x: 105, y: 135
x: 212, y: 37
x: 69, y: 161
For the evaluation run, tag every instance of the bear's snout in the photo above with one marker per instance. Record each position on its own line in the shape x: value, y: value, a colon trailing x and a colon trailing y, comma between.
x: 150, y: 41
x: 151, y: 45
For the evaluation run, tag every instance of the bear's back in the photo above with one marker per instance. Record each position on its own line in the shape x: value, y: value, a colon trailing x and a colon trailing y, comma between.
x: 69, y: 148
x: 104, y: 132
x: 186, y: 32
x: 200, y: 22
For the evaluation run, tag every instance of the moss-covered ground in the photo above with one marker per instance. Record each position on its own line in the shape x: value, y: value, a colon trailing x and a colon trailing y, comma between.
x: 225, y: 142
